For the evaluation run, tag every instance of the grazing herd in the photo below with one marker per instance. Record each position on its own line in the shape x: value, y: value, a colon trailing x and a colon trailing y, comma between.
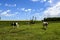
x: 16, y: 24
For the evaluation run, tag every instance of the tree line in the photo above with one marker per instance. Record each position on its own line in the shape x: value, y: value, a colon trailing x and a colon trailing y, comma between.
x: 52, y: 19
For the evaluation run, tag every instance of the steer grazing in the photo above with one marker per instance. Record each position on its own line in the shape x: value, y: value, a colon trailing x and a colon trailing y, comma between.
x: 15, y: 24
x: 45, y: 24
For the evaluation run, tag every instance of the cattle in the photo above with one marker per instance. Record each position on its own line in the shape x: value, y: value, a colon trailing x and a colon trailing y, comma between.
x: 45, y: 24
x: 15, y: 24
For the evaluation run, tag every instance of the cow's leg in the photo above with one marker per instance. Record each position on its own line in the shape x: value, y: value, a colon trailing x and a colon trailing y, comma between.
x: 43, y: 26
x: 13, y: 26
x: 17, y: 25
x: 46, y: 25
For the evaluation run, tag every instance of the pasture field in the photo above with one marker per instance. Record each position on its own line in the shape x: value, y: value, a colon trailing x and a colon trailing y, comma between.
x: 29, y: 32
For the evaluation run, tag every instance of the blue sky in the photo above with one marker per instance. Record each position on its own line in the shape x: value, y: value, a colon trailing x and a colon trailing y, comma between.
x: 26, y: 9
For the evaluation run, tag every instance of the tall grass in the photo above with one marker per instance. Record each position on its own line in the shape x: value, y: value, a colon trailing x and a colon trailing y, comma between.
x: 29, y: 32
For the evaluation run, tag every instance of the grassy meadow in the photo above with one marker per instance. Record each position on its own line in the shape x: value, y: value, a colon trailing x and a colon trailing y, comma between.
x: 29, y: 32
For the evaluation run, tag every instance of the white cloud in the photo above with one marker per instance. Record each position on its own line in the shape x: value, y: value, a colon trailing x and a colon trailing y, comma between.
x: 7, y: 13
x: 53, y: 2
x: 10, y: 5
x: 0, y: 4
x: 0, y: 10
x: 50, y: 1
x: 38, y: 0
x: 26, y: 10
x: 29, y: 9
x: 43, y: 0
x: 53, y: 11
x: 22, y: 9
x: 35, y: 0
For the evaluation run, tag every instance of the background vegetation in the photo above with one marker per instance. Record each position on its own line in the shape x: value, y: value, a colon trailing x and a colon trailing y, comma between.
x: 28, y: 31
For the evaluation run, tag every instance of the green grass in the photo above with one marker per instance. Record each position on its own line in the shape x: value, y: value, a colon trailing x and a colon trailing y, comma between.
x: 29, y: 32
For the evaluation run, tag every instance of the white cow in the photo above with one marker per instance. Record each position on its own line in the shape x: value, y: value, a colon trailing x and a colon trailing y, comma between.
x: 45, y: 24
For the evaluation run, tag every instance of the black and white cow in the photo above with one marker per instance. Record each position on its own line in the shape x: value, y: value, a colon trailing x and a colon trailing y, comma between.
x: 45, y: 24
x: 15, y: 24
